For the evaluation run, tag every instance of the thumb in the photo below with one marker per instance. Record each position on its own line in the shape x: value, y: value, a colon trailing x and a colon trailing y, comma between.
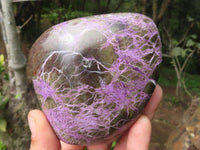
x: 43, y: 136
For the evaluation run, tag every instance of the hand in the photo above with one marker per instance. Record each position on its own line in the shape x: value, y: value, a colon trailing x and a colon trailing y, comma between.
x: 136, y: 138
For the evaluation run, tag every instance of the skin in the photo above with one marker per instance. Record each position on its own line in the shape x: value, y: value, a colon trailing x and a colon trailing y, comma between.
x: 137, y: 137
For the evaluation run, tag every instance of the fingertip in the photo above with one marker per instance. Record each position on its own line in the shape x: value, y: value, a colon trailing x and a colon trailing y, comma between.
x: 159, y: 90
x: 154, y: 102
x: 143, y: 121
x: 158, y: 93
x: 38, y: 114
x: 43, y: 136
x: 35, y: 112
x: 140, y: 134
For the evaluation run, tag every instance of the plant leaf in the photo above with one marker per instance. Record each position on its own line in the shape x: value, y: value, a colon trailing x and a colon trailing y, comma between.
x: 2, y: 59
x: 190, y: 19
x: 3, y: 102
x: 188, y: 50
x: 194, y: 36
x: 6, y: 76
x: 113, y: 144
x: 177, y: 51
x: 174, y: 42
x: 17, y: 96
x: 190, y: 43
x: 198, y: 45
x: 3, y: 125
x: 2, y: 146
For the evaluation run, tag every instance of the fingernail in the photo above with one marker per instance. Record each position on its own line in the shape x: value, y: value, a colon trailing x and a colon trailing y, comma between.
x: 144, y: 118
x: 31, y: 123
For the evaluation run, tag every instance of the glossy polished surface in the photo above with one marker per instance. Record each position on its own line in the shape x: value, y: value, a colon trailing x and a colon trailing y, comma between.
x: 94, y: 75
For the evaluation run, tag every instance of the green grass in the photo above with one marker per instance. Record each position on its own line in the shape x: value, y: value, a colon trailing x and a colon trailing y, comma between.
x: 168, y: 78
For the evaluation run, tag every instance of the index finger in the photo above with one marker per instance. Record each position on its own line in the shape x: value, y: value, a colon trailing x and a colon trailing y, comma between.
x: 154, y: 102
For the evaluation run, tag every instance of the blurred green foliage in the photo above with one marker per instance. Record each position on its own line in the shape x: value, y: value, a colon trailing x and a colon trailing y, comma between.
x: 168, y: 78
x: 3, y: 122
x: 3, y: 74
x: 61, y: 14
x: 171, y: 99
x: 2, y: 63
x: 113, y: 145
x: 3, y: 99
x: 2, y: 146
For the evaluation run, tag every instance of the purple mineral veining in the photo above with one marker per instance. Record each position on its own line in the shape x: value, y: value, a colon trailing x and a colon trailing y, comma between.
x: 94, y: 75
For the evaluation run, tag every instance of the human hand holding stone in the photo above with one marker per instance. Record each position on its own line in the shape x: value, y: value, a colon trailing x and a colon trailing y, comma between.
x: 137, y: 137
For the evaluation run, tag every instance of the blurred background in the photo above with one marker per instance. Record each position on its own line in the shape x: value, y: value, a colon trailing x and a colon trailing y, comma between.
x: 177, y: 122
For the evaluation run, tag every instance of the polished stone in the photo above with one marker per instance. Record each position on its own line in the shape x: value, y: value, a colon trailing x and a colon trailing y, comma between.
x: 94, y: 75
